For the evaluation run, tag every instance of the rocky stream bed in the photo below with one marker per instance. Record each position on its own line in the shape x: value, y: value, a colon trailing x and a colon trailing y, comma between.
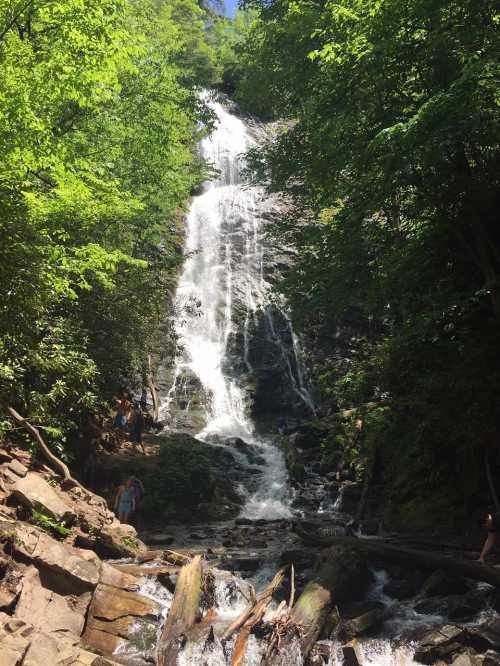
x: 97, y: 594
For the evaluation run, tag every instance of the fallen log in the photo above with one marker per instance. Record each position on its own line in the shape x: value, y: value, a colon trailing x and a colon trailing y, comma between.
x: 409, y: 557
x: 340, y: 574
x: 183, y: 613
x: 35, y: 433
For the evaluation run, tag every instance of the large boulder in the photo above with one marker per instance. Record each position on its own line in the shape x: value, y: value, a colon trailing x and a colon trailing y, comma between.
x: 485, y: 636
x: 401, y: 588
x: 23, y: 644
x: 116, y: 615
x: 86, y: 658
x: 62, y: 559
x: 455, y: 607
x: 119, y: 540
x: 36, y: 494
x: 440, y: 644
x: 441, y: 583
x: 49, y: 611
x: 459, y: 645
x: 111, y: 576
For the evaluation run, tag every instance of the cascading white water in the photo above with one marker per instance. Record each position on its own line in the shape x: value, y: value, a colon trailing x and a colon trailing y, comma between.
x: 223, y: 277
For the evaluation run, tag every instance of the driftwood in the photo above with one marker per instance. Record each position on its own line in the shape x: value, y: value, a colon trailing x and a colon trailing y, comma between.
x: 173, y: 557
x: 251, y: 616
x: 284, y: 627
x: 58, y: 464
x: 183, y: 613
x: 410, y: 557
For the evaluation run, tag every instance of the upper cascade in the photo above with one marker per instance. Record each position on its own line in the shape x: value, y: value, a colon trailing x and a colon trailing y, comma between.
x: 233, y: 343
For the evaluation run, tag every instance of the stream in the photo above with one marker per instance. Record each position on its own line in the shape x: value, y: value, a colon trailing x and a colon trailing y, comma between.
x: 226, y: 325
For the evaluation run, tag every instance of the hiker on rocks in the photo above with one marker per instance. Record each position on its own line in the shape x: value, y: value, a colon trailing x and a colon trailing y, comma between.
x: 136, y: 426
x: 138, y: 491
x: 123, y: 408
x: 491, y: 523
x: 125, y: 501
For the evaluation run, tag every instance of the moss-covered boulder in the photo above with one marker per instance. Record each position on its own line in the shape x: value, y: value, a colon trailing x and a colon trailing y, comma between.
x: 191, y: 482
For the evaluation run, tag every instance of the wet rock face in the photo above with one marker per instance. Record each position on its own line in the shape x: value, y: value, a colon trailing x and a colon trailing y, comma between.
x: 461, y: 646
x: 441, y: 583
x: 274, y: 377
x: 456, y: 607
x: 187, y: 402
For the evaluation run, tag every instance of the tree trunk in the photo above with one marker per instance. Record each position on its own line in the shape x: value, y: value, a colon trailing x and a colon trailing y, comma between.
x: 341, y: 574
x: 154, y: 394
x: 182, y: 614
x: 411, y: 558
x: 34, y: 432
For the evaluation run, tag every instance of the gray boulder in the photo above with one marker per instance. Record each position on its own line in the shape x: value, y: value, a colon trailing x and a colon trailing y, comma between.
x: 35, y: 493
x: 49, y: 554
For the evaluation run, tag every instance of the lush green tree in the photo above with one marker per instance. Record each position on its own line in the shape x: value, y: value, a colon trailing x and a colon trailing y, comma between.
x: 99, y: 120
x: 389, y: 157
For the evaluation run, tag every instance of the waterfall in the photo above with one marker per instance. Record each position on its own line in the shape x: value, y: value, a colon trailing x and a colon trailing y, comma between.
x: 221, y: 297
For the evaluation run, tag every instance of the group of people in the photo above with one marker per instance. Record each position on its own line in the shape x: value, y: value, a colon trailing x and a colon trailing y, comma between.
x: 130, y: 419
x: 127, y: 498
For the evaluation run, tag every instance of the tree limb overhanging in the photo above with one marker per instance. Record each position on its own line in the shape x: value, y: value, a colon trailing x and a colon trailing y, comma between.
x: 61, y: 467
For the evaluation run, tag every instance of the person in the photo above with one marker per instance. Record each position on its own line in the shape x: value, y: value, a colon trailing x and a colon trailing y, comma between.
x: 137, y: 428
x: 123, y: 407
x: 491, y: 522
x: 125, y: 501
x: 138, y: 490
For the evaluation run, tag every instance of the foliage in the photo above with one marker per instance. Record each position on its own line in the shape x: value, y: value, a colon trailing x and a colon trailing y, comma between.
x: 387, y: 157
x: 130, y: 542
x: 184, y: 478
x: 49, y: 524
x: 99, y: 119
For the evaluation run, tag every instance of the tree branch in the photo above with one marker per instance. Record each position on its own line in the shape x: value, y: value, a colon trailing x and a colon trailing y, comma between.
x: 17, y: 14
x: 34, y: 432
